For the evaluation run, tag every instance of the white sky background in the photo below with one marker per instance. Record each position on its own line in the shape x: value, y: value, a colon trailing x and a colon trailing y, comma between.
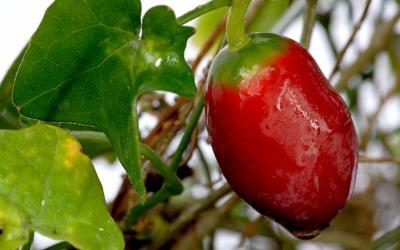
x: 20, y: 18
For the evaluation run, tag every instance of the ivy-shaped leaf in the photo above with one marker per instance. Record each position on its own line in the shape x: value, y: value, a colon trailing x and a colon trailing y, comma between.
x: 85, y: 64
x: 48, y: 185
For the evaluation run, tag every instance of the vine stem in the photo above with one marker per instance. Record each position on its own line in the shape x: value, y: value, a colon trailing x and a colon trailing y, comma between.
x: 188, y: 133
x: 96, y: 137
x: 133, y: 159
x: 163, y: 194
x: 174, y: 184
x: 202, y: 9
x: 309, y: 20
x: 235, y: 28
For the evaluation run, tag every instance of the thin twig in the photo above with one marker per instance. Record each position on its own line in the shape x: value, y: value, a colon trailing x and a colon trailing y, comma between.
x: 205, y: 165
x: 379, y: 41
x: 366, y: 159
x: 364, y: 137
x: 249, y: 229
x: 309, y: 20
x: 374, y: 117
x: 350, y: 40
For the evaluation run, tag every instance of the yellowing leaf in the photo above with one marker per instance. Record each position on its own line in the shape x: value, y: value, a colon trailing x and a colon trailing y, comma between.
x: 49, y: 186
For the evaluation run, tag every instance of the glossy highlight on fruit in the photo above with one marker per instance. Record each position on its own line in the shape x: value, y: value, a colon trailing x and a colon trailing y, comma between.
x: 283, y: 137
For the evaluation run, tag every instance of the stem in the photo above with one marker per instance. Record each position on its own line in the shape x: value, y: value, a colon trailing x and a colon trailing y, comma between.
x: 309, y: 20
x: 202, y: 9
x: 163, y: 194
x: 174, y: 184
x: 96, y: 137
x: 351, y: 38
x: 187, y: 134
x: 130, y: 155
x: 135, y: 213
x: 235, y: 30
x: 386, y: 240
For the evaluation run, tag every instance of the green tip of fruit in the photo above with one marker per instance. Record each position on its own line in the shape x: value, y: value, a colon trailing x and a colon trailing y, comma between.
x: 231, y: 66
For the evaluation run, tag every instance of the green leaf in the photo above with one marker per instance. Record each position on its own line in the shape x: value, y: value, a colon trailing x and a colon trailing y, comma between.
x: 86, y: 65
x: 14, y: 226
x: 48, y: 185
x: 161, y: 62
x: 9, y: 117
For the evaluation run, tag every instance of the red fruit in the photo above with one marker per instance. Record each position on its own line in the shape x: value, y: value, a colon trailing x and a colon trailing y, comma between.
x: 283, y: 137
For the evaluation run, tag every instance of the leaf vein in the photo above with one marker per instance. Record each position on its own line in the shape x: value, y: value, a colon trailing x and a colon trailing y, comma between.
x: 75, y: 76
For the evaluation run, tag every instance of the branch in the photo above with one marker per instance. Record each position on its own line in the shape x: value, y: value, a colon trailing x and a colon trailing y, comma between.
x: 379, y: 41
x: 351, y: 38
x: 309, y: 20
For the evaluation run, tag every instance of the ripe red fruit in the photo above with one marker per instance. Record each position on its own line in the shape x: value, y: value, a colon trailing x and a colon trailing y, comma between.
x: 283, y: 137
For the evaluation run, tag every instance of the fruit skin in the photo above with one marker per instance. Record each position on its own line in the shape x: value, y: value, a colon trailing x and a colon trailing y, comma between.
x: 282, y: 136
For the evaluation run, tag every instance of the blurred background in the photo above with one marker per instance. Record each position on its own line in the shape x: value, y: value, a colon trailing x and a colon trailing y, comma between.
x: 368, y: 79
